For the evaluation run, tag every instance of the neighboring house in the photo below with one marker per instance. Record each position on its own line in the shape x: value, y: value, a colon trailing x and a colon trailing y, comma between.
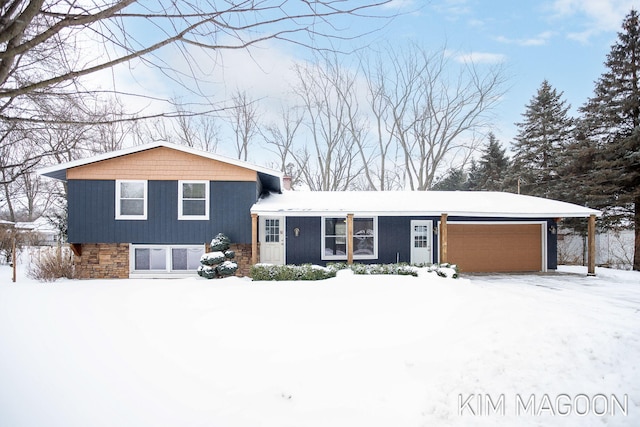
x: 40, y: 232
x: 150, y: 210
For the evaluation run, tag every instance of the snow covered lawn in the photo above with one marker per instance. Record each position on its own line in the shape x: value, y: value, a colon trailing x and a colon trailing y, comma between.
x: 350, y: 351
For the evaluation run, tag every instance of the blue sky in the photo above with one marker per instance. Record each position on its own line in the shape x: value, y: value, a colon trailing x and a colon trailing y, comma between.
x: 563, y: 41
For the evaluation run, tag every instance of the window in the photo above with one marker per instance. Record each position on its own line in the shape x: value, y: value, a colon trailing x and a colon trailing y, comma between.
x: 150, y: 259
x: 421, y: 236
x: 165, y: 259
x: 185, y: 258
x: 363, y: 237
x: 335, y: 242
x: 271, y: 230
x: 193, y: 199
x: 131, y: 199
x: 335, y: 238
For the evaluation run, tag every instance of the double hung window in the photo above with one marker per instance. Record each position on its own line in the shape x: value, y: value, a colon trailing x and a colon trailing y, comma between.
x: 193, y: 200
x: 131, y: 199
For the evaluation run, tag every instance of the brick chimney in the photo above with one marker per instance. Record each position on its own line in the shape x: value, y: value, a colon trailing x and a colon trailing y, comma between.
x: 286, y: 183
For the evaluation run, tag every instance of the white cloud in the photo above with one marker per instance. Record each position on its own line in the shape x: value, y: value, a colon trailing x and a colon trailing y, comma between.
x: 481, y: 58
x: 453, y: 8
x: 601, y: 15
x: 399, y: 4
x: 538, y: 40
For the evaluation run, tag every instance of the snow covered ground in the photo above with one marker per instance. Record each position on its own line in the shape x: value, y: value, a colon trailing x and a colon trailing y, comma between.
x: 351, y: 351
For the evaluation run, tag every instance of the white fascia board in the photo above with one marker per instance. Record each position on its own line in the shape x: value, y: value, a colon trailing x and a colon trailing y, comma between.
x: 302, y: 212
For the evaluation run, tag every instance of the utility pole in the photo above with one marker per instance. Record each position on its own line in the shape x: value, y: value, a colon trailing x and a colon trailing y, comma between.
x: 13, y: 256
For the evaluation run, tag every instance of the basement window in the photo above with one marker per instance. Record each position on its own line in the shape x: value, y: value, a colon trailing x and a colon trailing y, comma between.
x: 169, y: 259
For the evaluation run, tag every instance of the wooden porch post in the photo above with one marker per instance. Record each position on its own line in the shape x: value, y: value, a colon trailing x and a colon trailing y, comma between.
x: 349, y: 239
x: 591, y: 246
x: 254, y: 239
x: 444, y: 256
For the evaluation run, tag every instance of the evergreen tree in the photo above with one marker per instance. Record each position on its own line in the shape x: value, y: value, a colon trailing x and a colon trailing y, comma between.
x: 576, y: 175
x: 493, y: 167
x: 542, y: 137
x: 453, y: 180
x: 473, y: 177
x: 611, y: 119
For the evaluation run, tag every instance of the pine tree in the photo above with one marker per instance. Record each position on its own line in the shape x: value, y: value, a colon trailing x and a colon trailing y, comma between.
x: 542, y: 136
x: 612, y: 122
x: 453, y: 180
x: 473, y: 177
x: 493, y: 167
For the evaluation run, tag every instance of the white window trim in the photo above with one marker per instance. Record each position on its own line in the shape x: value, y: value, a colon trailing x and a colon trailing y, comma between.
x: 325, y: 257
x: 168, y: 271
x: 181, y: 216
x: 146, y: 200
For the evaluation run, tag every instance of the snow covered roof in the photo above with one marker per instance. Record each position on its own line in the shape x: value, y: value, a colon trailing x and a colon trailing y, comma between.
x: 41, y: 225
x: 424, y: 203
x: 60, y: 171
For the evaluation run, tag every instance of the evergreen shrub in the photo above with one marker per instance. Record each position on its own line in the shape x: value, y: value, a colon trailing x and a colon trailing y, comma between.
x: 218, y: 263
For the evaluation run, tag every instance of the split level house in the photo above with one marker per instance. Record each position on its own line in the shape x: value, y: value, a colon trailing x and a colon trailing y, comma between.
x: 150, y: 211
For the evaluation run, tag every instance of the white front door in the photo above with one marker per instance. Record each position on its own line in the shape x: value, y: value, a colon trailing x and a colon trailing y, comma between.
x: 421, y: 242
x: 271, y: 240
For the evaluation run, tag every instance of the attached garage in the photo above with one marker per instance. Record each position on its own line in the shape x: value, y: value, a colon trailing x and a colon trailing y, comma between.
x: 510, y: 247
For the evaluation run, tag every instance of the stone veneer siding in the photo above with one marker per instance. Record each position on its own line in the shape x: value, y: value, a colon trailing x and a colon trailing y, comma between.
x: 243, y: 258
x: 111, y: 260
x: 102, y: 261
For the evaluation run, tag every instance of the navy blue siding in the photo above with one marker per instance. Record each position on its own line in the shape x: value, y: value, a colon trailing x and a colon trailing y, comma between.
x: 552, y: 245
x: 394, y: 239
x: 92, y: 214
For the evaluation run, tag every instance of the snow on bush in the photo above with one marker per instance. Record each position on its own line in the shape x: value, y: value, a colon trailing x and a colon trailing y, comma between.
x: 220, y: 243
x: 290, y: 272
x: 212, y: 258
x: 218, y: 263
x: 315, y: 272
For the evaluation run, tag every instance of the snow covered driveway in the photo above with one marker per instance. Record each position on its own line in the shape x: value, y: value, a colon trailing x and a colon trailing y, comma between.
x: 369, y: 351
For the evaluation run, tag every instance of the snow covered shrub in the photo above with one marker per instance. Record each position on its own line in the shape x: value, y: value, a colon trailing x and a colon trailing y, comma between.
x: 402, y: 269
x: 445, y: 270
x: 212, y: 258
x: 51, y: 264
x: 219, y: 262
x: 227, y: 268
x: 261, y: 272
x: 399, y: 269
x: 220, y: 243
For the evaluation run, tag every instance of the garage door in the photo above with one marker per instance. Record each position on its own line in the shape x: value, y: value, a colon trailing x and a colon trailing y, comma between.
x: 495, y: 247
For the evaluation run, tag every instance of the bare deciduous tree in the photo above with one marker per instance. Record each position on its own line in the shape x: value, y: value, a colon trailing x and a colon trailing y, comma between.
x: 243, y: 117
x: 330, y: 161
x: 40, y: 40
x: 436, y: 109
x: 282, y: 136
